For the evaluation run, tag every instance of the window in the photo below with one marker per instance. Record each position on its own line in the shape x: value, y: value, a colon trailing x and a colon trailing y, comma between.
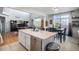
x: 56, y: 21
x: 61, y: 20
x: 64, y: 20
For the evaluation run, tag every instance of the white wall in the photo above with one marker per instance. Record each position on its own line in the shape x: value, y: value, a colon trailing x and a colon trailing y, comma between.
x: 7, y: 24
x: 1, y: 10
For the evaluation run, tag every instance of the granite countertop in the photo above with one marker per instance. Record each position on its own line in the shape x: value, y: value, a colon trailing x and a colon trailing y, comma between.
x: 40, y: 34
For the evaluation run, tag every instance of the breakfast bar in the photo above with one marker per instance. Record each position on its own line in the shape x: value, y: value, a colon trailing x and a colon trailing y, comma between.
x: 35, y: 40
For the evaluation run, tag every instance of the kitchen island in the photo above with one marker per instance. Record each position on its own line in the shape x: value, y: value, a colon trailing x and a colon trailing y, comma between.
x: 35, y: 40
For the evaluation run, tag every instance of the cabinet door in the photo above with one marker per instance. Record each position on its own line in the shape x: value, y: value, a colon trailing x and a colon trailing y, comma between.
x: 35, y: 44
x: 28, y: 42
x: 22, y: 38
x: 19, y: 37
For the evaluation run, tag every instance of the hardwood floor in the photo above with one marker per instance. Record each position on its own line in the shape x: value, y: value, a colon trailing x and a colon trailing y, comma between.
x: 9, y: 38
x: 11, y: 43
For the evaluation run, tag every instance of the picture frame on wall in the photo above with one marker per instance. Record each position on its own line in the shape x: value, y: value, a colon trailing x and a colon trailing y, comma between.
x: 50, y: 21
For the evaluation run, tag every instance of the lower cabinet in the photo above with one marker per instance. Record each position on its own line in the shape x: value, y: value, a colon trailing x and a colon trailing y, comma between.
x: 32, y: 43
x: 24, y: 39
x: 27, y: 42
x: 35, y: 44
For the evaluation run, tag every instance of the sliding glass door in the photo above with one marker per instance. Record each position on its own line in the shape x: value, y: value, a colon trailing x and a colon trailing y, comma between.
x: 65, y: 22
x: 62, y: 21
x: 57, y: 21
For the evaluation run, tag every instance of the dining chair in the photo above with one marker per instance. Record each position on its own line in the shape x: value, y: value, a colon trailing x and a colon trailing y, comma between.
x: 62, y: 35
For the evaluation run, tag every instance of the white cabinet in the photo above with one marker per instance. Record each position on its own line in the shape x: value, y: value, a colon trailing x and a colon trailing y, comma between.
x: 27, y: 42
x: 24, y: 39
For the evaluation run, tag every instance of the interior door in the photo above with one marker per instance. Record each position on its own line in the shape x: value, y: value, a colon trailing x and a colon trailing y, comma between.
x: 2, y: 25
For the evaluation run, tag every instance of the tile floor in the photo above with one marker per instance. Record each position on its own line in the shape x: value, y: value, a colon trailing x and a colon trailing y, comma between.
x: 71, y: 44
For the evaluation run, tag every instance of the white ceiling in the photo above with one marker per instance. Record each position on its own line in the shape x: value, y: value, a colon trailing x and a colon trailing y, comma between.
x: 42, y: 11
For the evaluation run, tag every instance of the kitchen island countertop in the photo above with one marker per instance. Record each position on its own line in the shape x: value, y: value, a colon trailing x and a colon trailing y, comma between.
x: 39, y: 34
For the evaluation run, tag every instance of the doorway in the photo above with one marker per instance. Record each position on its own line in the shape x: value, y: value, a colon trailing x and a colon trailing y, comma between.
x: 2, y: 26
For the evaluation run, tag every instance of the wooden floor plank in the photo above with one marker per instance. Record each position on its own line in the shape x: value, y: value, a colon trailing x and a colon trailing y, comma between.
x: 9, y: 38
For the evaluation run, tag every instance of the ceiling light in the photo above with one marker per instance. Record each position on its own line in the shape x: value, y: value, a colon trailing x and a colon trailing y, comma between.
x: 55, y: 9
